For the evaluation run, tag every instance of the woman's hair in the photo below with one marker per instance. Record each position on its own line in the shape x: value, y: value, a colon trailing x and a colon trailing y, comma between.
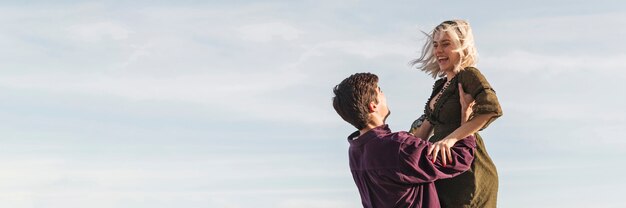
x: 461, y: 34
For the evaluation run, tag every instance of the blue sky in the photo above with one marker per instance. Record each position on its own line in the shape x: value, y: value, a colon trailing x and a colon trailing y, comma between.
x: 227, y: 104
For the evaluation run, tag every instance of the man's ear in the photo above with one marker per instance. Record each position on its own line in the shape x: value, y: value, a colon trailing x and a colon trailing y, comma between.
x: 372, y: 107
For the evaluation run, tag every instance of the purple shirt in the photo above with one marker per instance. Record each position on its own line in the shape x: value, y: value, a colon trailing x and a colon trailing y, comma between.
x: 393, y: 169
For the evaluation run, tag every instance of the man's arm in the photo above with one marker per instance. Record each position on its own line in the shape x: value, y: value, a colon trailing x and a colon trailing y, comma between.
x: 418, y: 167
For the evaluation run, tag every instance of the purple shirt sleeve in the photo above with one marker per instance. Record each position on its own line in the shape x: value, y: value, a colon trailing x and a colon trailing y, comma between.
x: 417, y: 167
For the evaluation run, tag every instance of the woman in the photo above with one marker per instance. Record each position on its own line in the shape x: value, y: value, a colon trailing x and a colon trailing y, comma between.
x: 450, y: 54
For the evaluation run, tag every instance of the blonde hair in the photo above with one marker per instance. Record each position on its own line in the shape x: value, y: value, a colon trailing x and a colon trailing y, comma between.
x: 461, y: 34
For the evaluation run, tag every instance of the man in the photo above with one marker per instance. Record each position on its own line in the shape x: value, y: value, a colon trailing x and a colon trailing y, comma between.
x: 391, y: 169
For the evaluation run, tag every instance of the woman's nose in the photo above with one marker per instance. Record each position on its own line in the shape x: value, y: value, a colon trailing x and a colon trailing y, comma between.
x: 438, y: 50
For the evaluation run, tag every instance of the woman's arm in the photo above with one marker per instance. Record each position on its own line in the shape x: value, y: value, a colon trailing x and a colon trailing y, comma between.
x: 472, y: 126
x: 467, y: 128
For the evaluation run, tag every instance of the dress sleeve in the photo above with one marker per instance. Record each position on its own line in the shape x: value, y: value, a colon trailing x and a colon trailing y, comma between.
x: 476, y: 84
x: 417, y: 123
x: 417, y: 167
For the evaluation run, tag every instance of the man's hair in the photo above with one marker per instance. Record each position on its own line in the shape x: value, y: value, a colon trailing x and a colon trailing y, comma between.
x: 352, y: 97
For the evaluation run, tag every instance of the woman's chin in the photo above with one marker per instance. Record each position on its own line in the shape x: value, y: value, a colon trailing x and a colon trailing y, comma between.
x: 445, y: 68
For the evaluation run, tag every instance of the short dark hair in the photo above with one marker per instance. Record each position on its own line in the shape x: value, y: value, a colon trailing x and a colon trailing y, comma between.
x: 352, y: 97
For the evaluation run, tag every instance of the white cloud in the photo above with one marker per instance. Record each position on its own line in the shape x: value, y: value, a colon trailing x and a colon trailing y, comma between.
x: 265, y: 32
x: 98, y: 31
x: 548, y: 31
x: 529, y: 62
x: 17, y: 199
x: 317, y: 203
x: 607, y: 136
x: 195, y: 54
x: 366, y: 48
x: 244, y: 94
x: 202, y: 88
x: 76, y: 181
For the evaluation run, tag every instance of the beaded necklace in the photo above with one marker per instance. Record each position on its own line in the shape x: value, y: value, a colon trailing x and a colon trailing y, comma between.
x: 445, y: 86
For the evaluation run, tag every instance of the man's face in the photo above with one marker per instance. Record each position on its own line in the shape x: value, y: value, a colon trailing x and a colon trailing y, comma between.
x: 383, y: 109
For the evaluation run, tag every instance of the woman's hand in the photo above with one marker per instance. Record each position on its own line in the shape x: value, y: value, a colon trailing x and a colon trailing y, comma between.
x: 443, y: 146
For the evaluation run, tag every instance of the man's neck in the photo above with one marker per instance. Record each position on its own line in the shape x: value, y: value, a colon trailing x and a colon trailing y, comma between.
x: 363, y: 131
x: 369, y: 127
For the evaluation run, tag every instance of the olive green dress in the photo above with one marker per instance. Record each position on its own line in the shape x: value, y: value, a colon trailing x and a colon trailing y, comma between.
x: 478, y: 187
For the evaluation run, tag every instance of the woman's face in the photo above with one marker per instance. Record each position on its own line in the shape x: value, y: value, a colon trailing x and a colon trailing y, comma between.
x: 444, y: 47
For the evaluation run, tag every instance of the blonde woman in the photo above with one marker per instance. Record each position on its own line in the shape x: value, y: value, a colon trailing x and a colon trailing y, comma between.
x: 450, y: 54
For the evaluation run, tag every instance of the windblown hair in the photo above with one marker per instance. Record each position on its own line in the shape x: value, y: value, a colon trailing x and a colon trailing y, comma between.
x: 352, y: 97
x: 461, y: 34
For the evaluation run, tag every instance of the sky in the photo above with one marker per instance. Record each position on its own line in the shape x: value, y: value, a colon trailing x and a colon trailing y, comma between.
x: 227, y: 104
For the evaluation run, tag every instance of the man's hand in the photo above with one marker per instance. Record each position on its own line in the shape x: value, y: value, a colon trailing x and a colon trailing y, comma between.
x: 467, y: 103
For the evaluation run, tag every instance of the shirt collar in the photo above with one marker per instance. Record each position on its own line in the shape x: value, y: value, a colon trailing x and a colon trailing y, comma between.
x: 355, y: 139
